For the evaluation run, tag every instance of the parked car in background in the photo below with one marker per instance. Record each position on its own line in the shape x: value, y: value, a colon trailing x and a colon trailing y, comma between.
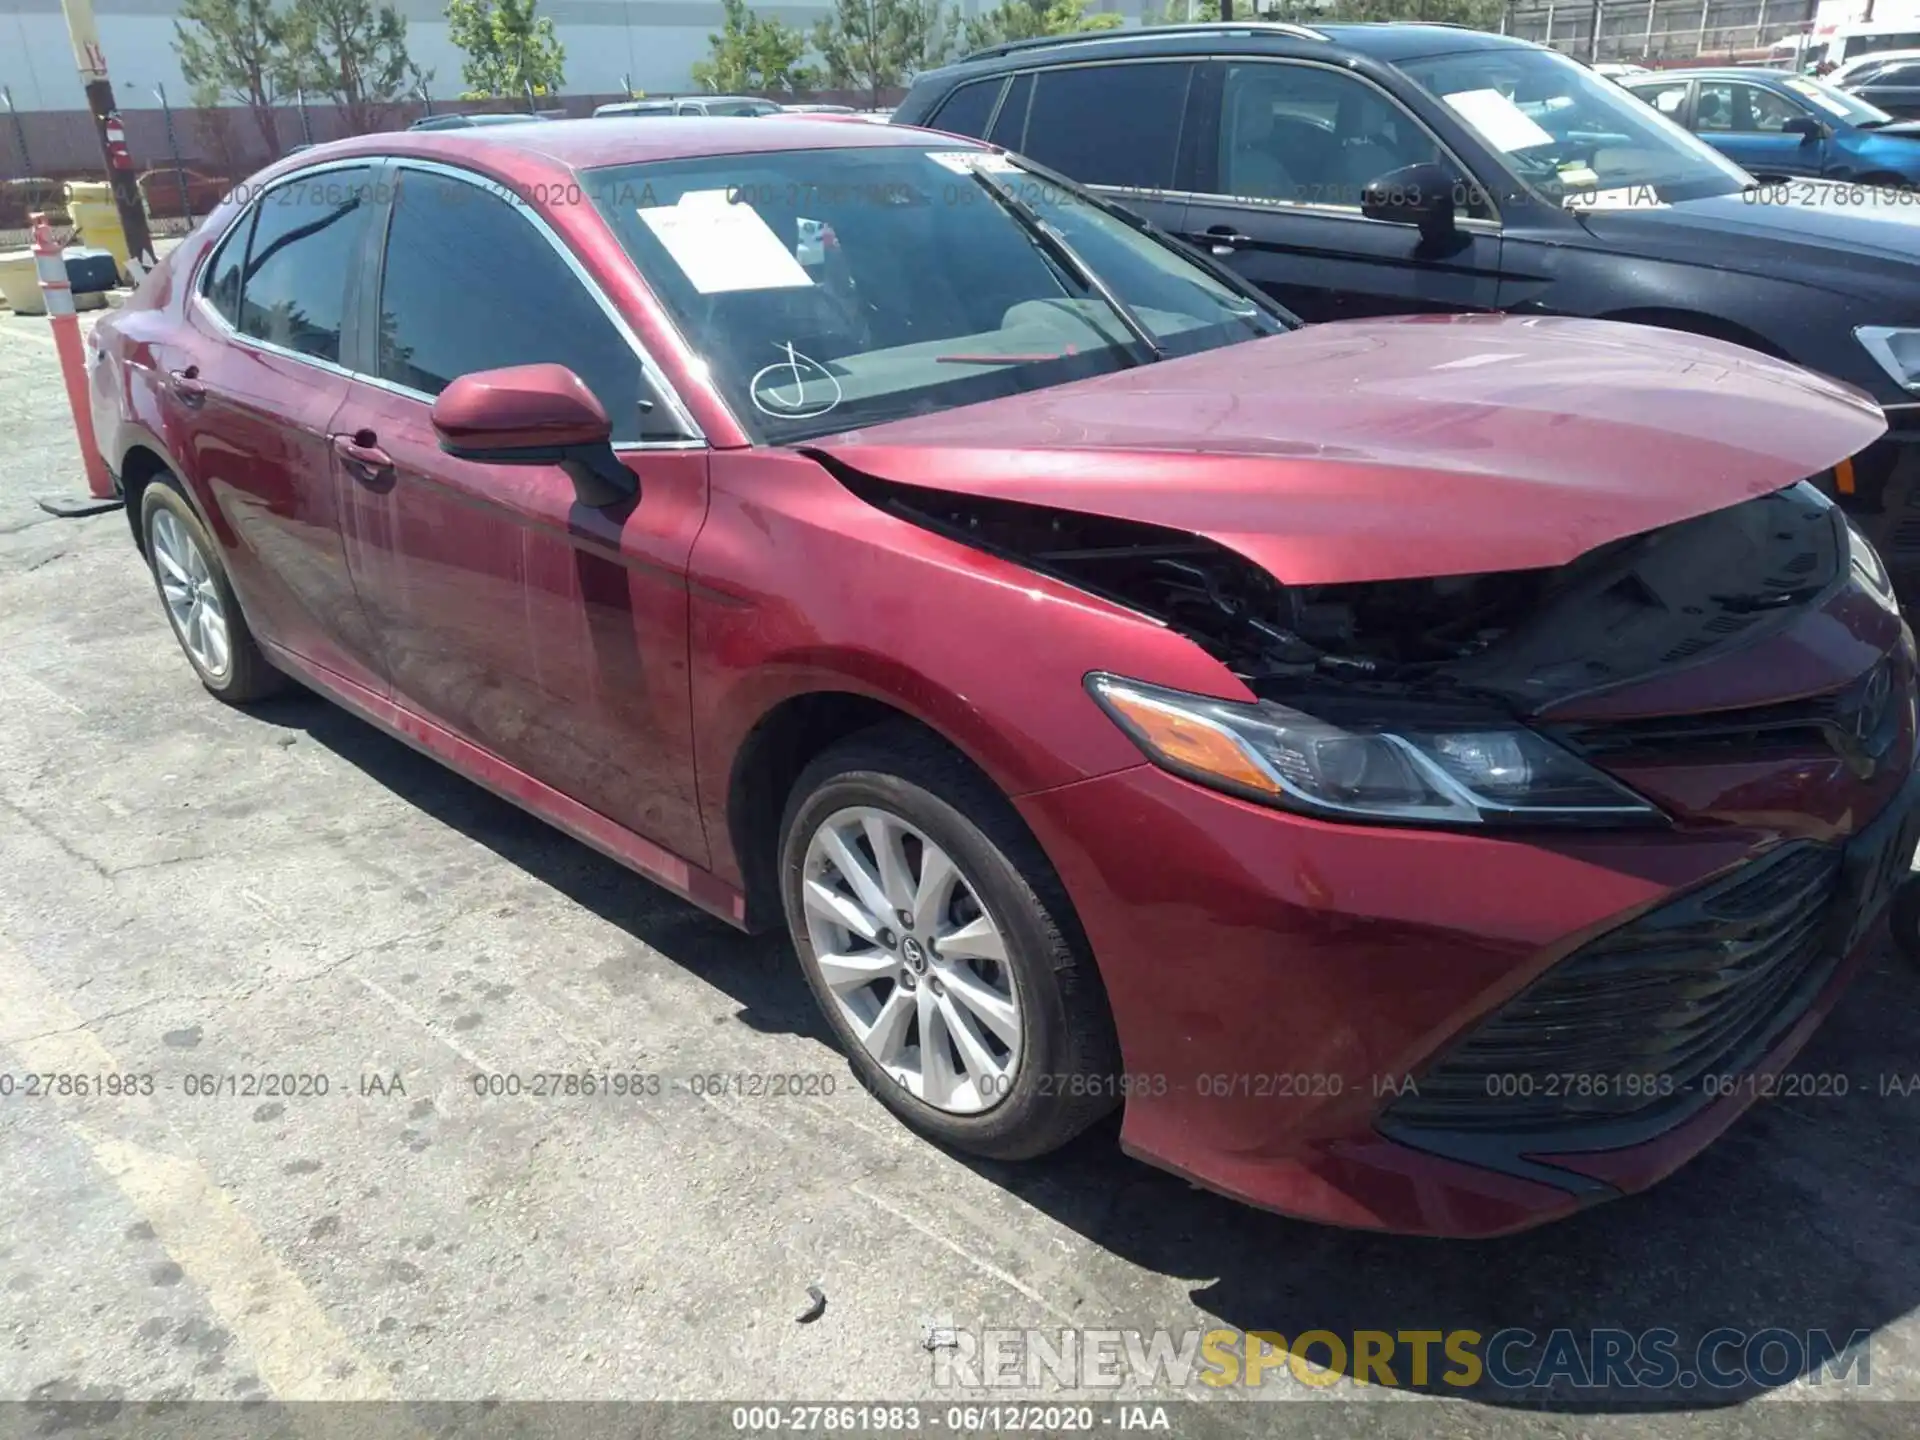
x: 161, y: 192
x: 1893, y: 87
x: 1779, y: 126
x: 1615, y: 70
x: 690, y: 105
x: 453, y: 121
x: 1846, y: 74
x: 1359, y: 170
x: 819, y: 109
x: 1472, y: 699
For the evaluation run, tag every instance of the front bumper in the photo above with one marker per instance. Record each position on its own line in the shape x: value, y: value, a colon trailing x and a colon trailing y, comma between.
x: 1305, y: 1010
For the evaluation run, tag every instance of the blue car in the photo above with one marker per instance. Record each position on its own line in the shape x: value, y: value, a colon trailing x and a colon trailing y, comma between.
x: 1777, y: 125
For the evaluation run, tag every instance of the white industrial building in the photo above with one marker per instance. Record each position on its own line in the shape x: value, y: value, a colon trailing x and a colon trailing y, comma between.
x: 654, y: 42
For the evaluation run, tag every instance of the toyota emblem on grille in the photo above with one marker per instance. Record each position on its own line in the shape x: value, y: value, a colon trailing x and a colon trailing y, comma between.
x: 1860, y: 725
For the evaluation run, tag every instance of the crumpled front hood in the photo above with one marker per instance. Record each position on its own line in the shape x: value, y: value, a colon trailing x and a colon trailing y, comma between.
x: 1395, y: 449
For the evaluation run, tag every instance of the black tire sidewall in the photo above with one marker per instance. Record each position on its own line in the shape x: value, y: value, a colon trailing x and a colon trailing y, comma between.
x: 1008, y: 896
x: 164, y: 493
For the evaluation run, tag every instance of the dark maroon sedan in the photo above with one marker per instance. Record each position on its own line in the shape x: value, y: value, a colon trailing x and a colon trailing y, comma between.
x: 1426, y: 770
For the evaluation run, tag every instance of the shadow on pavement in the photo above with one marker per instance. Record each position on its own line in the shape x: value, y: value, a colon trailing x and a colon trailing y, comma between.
x: 1802, y: 1218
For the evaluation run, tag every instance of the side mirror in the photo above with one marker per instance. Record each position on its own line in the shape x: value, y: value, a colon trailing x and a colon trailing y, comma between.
x: 1806, y: 127
x: 535, y: 415
x: 1419, y: 195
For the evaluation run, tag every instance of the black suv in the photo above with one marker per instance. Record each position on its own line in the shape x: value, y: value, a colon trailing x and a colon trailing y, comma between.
x: 1355, y: 170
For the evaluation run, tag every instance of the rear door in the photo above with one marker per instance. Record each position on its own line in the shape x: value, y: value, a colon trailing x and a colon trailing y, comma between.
x: 1284, y: 151
x: 1745, y: 123
x: 253, y: 392
x: 1119, y: 128
x: 552, y: 635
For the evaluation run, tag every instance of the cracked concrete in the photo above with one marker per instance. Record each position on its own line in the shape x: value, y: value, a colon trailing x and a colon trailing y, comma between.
x: 201, y: 897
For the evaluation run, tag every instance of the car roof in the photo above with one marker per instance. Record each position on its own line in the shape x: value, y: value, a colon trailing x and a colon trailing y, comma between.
x: 1717, y: 72
x: 1385, y: 41
x: 588, y: 145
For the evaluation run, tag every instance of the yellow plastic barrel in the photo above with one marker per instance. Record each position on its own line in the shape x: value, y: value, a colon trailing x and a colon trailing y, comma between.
x: 96, y: 219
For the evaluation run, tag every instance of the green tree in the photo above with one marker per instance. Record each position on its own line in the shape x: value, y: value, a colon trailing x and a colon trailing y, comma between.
x: 507, y: 48
x: 350, y: 51
x: 1175, y: 12
x: 1029, y: 19
x: 752, y: 53
x: 874, y: 45
x: 234, y: 50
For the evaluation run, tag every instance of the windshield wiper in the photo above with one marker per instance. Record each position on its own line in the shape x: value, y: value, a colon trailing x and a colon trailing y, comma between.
x: 1068, y: 259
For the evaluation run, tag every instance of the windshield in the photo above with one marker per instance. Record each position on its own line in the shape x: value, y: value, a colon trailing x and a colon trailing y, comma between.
x: 741, y: 107
x: 1570, y: 135
x: 1836, y: 101
x: 829, y: 289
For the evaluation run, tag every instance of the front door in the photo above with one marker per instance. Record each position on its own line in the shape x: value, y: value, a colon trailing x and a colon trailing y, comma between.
x: 1745, y: 123
x: 1286, y: 150
x: 550, y: 634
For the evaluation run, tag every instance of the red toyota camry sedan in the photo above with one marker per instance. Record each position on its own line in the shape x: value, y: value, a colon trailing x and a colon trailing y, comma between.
x: 1426, y: 770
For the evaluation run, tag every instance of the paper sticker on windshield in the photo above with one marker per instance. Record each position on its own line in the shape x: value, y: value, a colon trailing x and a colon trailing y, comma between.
x: 962, y: 161
x: 722, y: 246
x: 1579, y: 177
x: 1500, y: 122
x: 1818, y: 96
x: 1626, y: 197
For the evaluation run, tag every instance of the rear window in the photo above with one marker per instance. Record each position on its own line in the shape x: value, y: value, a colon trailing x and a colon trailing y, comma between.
x: 1110, y: 124
x: 968, y: 109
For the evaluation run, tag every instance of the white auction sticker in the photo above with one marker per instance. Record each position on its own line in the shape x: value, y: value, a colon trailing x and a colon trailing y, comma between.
x: 722, y: 246
x: 1504, y: 124
x: 963, y: 161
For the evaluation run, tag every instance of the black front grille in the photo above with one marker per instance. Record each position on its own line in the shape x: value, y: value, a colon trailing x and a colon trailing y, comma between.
x: 1820, y: 722
x: 1627, y: 1026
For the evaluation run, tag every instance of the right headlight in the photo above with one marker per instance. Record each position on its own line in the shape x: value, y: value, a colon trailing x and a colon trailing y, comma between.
x: 1897, y: 351
x: 1411, y: 771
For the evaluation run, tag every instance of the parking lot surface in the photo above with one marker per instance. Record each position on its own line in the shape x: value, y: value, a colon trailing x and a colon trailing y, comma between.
x: 205, y: 896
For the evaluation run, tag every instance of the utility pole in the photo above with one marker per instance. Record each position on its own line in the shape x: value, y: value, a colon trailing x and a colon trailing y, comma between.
x: 1593, y: 32
x: 92, y: 63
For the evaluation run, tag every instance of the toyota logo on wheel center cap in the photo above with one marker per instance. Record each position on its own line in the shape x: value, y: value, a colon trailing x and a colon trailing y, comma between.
x: 916, y: 955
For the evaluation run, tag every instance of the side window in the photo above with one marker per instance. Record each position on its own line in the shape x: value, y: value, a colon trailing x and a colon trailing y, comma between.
x: 1667, y: 99
x: 220, y: 282
x: 1714, y: 111
x: 1767, y: 111
x: 1010, y: 125
x: 294, y: 291
x: 1307, y: 135
x: 469, y: 284
x: 1110, y: 124
x: 968, y: 108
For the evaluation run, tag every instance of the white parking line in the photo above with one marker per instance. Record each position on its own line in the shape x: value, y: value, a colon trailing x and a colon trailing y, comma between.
x: 298, y: 1353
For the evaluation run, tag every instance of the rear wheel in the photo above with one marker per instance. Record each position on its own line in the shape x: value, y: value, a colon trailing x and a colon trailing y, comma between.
x: 935, y: 938
x: 199, y: 600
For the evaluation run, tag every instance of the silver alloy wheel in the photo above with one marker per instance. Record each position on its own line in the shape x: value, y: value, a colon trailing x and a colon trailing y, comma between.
x: 193, y: 600
x: 913, y: 959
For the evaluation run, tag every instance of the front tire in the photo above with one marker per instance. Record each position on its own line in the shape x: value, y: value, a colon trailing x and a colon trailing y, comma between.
x: 936, y: 939
x: 198, y: 598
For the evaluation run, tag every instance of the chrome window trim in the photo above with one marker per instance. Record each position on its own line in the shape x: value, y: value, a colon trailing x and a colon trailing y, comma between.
x: 649, y: 369
x: 695, y: 437
x: 199, y: 278
x: 1492, y: 226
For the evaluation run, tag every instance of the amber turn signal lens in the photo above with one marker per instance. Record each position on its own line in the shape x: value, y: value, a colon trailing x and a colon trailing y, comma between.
x: 1188, y: 741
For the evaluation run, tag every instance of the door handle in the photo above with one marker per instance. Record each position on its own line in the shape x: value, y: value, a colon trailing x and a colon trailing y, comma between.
x: 1222, y: 239
x: 187, y: 385
x: 362, y: 454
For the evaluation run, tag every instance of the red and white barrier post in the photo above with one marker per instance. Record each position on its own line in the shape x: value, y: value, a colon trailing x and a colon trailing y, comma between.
x: 51, y: 268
